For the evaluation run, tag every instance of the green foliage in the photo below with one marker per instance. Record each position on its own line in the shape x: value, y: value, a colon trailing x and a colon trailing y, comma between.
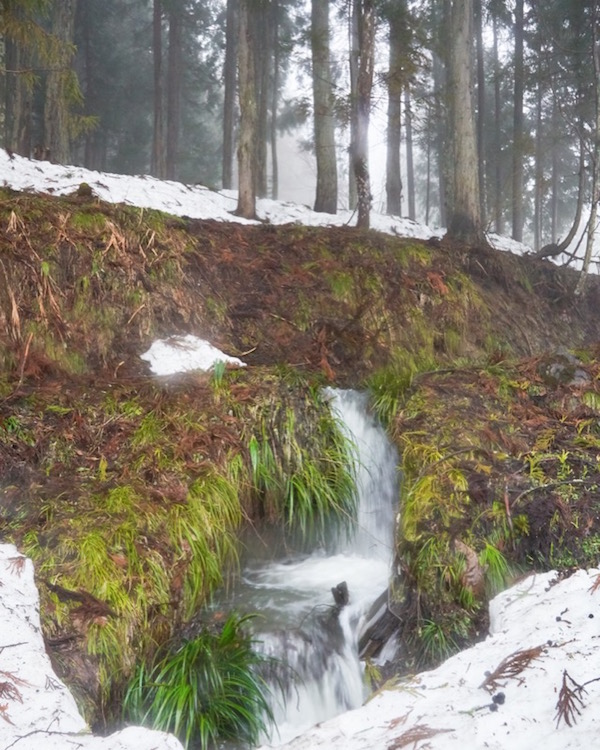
x: 207, y: 690
x: 497, y: 569
x: 303, y: 477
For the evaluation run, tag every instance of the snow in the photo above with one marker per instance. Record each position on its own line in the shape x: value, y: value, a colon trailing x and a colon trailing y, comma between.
x: 185, y: 353
x: 193, y: 201
x: 451, y: 707
x: 444, y: 709
x: 37, y: 711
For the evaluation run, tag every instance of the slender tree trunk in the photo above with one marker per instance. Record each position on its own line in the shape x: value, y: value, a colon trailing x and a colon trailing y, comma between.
x: 248, y: 116
x: 56, y: 108
x: 230, y: 77
x: 275, y: 12
x: 498, y: 213
x: 539, y: 165
x: 395, y: 82
x: 262, y: 56
x: 410, y: 171
x: 465, y: 216
x: 324, y: 118
x: 555, y: 179
x: 175, y: 71
x: 595, y: 188
x: 478, y: 11
x: 354, y: 46
x: 441, y: 22
x: 158, y: 163
x: 18, y: 98
x: 518, y: 126
x: 362, y: 108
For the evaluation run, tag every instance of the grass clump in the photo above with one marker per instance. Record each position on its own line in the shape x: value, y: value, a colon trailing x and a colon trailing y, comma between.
x: 206, y: 690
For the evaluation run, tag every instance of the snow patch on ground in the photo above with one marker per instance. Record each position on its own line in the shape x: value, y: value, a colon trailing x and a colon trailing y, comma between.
x: 194, y: 201
x: 543, y: 630
x: 185, y: 353
x: 37, y: 711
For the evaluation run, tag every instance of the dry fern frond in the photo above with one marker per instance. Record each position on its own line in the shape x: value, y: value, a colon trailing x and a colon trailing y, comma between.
x: 11, y: 691
x: 415, y: 734
x: 569, y: 701
x: 4, y: 713
x: 16, y: 564
x: 511, y: 666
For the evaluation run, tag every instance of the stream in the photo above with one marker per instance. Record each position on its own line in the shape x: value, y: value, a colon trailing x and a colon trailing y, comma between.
x: 299, y: 623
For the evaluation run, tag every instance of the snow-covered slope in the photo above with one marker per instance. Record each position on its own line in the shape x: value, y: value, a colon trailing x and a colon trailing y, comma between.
x: 37, y: 712
x: 530, y: 684
x: 195, y: 201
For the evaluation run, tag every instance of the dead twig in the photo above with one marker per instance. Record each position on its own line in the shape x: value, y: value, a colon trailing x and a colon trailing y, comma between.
x: 511, y: 666
x: 569, y: 701
x: 415, y: 734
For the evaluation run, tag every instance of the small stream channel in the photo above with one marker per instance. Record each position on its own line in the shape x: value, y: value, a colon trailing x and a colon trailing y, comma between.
x: 299, y: 623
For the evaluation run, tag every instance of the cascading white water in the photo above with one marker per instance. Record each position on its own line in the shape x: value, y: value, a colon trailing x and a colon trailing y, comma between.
x: 299, y: 624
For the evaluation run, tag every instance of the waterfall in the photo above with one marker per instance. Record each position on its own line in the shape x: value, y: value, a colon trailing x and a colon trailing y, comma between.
x: 299, y: 624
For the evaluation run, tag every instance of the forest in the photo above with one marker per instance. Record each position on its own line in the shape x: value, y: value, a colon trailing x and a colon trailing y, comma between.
x: 485, y: 109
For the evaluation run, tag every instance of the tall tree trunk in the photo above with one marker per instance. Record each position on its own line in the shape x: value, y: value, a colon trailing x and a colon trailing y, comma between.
x: 354, y: 47
x: 465, y: 216
x: 478, y: 11
x: 361, y: 109
x: 410, y: 170
x: 275, y: 13
x: 248, y: 116
x: 395, y: 83
x: 497, y: 150
x: 58, y: 81
x: 263, y: 56
x: 18, y: 97
x: 441, y: 21
x: 158, y: 161
x: 595, y: 187
x: 538, y: 199
x: 230, y: 78
x: 324, y: 117
x: 518, y: 125
x: 174, y: 78
x: 555, y: 178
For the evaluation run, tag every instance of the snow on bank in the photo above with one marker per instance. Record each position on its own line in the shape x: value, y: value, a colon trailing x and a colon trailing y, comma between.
x: 195, y: 201
x: 37, y: 712
x: 184, y: 353
x: 505, y: 692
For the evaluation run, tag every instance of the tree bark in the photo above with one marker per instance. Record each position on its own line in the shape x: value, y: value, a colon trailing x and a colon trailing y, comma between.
x: 478, y: 14
x: 56, y: 107
x: 174, y: 76
x: 410, y: 171
x: 395, y: 83
x: 518, y: 126
x: 497, y: 151
x: 18, y: 97
x: 465, y: 216
x: 248, y: 117
x: 263, y: 56
x: 158, y: 161
x: 595, y: 156
x: 275, y: 14
x: 230, y: 78
x: 361, y: 109
x: 324, y: 117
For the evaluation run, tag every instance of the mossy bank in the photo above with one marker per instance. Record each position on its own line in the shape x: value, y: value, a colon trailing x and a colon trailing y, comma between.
x: 130, y: 491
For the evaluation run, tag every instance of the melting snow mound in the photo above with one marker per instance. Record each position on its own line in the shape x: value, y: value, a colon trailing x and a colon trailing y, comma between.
x: 37, y: 711
x: 534, y: 682
x: 183, y: 354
